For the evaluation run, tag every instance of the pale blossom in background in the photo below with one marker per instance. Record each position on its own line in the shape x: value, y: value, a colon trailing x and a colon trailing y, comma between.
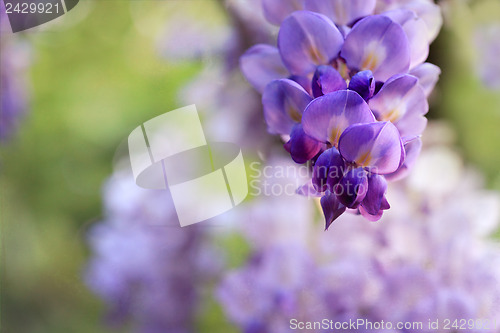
x: 431, y: 257
x: 148, y: 270
x: 487, y: 43
x: 15, y: 58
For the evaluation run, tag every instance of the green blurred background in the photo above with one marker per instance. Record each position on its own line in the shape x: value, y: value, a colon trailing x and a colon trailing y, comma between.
x: 94, y: 78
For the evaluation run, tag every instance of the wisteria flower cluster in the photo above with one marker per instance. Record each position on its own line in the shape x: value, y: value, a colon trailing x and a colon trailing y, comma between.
x: 347, y: 87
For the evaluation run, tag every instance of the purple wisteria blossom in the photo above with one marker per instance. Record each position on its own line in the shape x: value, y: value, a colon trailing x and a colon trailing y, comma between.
x: 146, y: 267
x: 14, y: 59
x: 487, y: 65
x: 429, y: 260
x: 348, y: 90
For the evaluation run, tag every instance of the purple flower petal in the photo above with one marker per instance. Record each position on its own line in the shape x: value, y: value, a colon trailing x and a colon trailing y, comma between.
x: 306, y: 40
x: 430, y: 13
x: 375, y: 146
x: 428, y: 75
x: 275, y: 11
x: 284, y: 101
x: 262, y: 64
x: 301, y: 146
x: 378, y: 44
x: 326, y: 79
x: 377, y: 186
x: 332, y: 208
x: 304, y: 81
x: 364, y: 84
x: 369, y: 216
x: 326, y: 117
x: 328, y: 170
x: 401, y: 101
x: 425, y: 9
x: 342, y: 12
x: 416, y: 31
x: 412, y: 150
x: 352, y: 188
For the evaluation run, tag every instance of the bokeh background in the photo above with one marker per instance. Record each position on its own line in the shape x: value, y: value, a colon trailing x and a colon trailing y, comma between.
x: 90, y: 77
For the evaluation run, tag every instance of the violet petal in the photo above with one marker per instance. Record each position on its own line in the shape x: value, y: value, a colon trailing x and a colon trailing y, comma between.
x: 284, y: 101
x: 378, y: 44
x: 306, y: 40
x: 326, y: 117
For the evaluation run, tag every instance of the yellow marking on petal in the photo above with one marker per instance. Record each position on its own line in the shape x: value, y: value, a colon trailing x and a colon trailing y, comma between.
x: 315, y: 55
x: 343, y: 70
x: 294, y: 113
x: 364, y: 159
x: 370, y: 62
x: 392, y: 115
x: 335, y: 136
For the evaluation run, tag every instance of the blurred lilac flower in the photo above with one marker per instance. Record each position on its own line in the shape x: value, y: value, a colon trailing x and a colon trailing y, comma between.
x: 146, y: 267
x: 487, y: 64
x: 233, y: 110
x: 430, y: 259
x: 193, y: 30
x: 14, y: 60
x: 355, y: 96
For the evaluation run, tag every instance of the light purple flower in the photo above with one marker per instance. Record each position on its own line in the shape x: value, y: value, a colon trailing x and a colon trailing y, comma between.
x: 146, y: 267
x: 487, y: 65
x: 427, y: 10
x: 342, y: 12
x: 14, y: 60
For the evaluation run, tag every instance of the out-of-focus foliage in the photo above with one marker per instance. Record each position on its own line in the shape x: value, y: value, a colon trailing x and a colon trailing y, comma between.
x: 93, y: 82
x: 471, y: 105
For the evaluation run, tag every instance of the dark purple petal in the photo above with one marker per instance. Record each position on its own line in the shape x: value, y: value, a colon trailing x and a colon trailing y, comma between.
x: 416, y: 31
x: 377, y: 186
x: 375, y: 146
x: 352, y: 188
x: 262, y: 64
x: 378, y: 44
x: 326, y: 117
x: 412, y: 150
x: 428, y: 75
x: 301, y: 146
x: 401, y: 101
x: 328, y: 170
x: 342, y: 12
x: 332, y: 208
x: 284, y: 101
x: 306, y: 40
x: 275, y: 11
x: 364, y: 84
x: 326, y: 79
